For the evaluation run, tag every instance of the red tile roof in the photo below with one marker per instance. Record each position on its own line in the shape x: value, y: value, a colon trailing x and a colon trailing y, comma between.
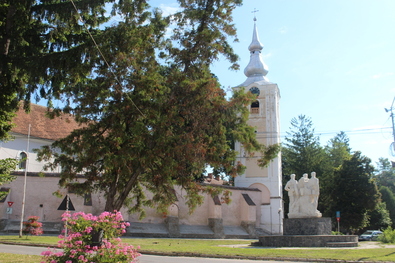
x: 42, y: 126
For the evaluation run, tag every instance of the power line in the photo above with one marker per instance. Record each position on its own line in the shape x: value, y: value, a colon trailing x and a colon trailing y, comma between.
x: 102, y: 55
x: 334, y: 132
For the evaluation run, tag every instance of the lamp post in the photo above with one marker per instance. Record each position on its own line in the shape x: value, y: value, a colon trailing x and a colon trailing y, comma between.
x: 24, y: 184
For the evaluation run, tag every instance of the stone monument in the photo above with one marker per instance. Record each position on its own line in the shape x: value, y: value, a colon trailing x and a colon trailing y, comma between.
x: 303, y: 196
x: 305, y: 226
x: 304, y: 217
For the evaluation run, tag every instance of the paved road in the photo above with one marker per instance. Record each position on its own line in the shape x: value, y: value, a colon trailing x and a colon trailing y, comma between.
x: 14, y: 249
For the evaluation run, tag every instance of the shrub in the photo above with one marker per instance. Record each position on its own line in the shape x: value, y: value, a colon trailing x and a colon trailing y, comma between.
x: 79, y: 243
x: 32, y: 226
x: 388, y: 236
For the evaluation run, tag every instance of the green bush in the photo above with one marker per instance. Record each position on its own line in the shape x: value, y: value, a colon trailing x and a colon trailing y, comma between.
x: 388, y: 236
x: 336, y: 233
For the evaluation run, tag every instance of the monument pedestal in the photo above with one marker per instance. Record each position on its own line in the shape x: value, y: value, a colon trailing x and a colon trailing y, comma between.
x: 307, y: 226
x: 308, y: 232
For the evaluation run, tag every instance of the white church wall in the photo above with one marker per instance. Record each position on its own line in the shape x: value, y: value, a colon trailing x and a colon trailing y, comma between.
x: 13, y: 148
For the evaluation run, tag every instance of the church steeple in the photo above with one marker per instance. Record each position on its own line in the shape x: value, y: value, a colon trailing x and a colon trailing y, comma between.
x: 256, y: 69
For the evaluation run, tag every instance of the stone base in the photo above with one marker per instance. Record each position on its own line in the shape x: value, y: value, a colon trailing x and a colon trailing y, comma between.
x: 307, y: 226
x: 308, y: 241
x: 216, y: 225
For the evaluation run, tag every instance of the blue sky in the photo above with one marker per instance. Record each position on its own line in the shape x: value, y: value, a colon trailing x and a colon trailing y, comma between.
x: 332, y: 60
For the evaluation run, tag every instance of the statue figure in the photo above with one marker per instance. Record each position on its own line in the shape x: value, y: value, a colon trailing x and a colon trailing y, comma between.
x: 315, y: 192
x: 293, y: 193
x: 303, y: 196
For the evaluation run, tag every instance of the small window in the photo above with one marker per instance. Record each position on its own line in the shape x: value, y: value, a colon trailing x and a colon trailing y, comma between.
x: 22, y: 160
x: 255, y: 107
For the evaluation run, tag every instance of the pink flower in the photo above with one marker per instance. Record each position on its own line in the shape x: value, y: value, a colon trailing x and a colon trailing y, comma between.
x: 46, y: 253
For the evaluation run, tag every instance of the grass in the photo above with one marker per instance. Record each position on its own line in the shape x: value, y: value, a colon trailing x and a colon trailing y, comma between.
x: 214, y: 248
x: 12, y: 258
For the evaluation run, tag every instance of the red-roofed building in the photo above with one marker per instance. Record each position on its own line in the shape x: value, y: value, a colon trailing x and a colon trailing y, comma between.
x: 43, y: 127
x: 211, y: 219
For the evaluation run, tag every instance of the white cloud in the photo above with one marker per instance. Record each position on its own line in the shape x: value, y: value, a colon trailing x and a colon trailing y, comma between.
x: 383, y: 75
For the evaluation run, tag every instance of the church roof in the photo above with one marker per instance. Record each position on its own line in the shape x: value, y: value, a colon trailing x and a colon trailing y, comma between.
x: 42, y: 126
x: 256, y: 69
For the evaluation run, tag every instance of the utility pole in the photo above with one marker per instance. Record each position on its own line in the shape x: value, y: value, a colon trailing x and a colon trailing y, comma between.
x: 393, y: 125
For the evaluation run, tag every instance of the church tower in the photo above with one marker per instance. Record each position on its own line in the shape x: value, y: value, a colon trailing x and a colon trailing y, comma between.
x: 265, y: 117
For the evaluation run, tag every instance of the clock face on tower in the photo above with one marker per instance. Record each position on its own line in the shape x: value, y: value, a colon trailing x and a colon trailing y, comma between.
x: 255, y: 90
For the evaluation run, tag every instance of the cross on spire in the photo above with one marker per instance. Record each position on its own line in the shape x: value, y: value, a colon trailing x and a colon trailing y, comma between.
x: 255, y: 13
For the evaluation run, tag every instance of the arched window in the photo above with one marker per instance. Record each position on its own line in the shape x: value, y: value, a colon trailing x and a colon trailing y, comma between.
x: 255, y: 107
x: 22, y: 160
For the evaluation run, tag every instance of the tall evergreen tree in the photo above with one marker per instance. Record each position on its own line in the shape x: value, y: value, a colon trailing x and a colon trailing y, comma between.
x: 302, y: 152
x: 158, y: 117
x: 45, y: 48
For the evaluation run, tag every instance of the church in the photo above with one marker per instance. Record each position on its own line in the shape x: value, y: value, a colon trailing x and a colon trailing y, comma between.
x: 256, y: 208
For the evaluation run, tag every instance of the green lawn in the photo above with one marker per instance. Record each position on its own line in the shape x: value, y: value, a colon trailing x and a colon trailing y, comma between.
x: 217, y: 248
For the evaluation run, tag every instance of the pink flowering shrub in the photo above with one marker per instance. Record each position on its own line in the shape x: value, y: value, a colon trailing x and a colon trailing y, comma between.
x: 32, y: 226
x: 79, y: 245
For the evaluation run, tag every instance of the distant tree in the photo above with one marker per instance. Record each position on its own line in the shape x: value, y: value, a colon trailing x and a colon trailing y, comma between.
x: 385, y: 174
x: 356, y: 193
x: 388, y: 198
x: 379, y: 218
x: 6, y: 167
x: 163, y: 118
x: 337, y: 151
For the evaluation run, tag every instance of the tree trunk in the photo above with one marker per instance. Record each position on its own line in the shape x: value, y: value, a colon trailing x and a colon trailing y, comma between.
x: 115, y: 199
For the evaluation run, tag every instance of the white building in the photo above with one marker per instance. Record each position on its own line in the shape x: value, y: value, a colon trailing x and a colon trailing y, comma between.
x: 265, y: 117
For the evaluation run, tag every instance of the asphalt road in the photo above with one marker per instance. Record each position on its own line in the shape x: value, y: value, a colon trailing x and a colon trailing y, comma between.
x: 15, y: 249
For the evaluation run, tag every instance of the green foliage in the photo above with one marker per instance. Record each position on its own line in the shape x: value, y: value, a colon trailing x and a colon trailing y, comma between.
x: 338, y: 149
x: 388, y: 236
x: 6, y: 167
x: 388, y: 198
x: 385, y: 174
x: 346, y: 179
x: 92, y: 239
x: 379, y: 218
x: 44, y: 48
x: 302, y: 152
x: 32, y: 226
x: 355, y: 193
x: 149, y: 122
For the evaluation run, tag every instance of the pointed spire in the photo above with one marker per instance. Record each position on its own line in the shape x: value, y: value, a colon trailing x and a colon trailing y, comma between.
x: 255, y: 45
x: 256, y: 69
